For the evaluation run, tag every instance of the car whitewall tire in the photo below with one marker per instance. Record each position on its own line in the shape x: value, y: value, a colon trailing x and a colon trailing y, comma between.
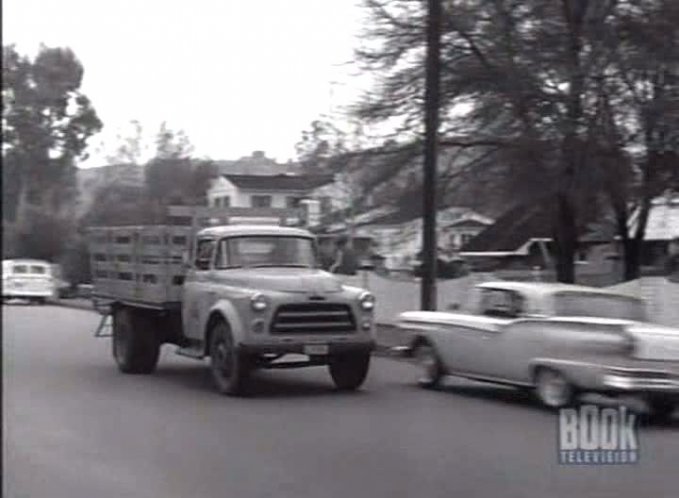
x: 553, y: 389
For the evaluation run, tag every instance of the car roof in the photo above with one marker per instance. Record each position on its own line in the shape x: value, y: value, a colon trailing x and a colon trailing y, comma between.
x: 546, y: 288
x: 243, y: 230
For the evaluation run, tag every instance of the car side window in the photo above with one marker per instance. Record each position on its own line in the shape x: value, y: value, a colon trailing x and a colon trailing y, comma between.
x: 502, y: 303
x: 204, y: 251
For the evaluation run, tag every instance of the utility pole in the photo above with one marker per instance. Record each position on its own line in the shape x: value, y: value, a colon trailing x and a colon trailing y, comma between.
x: 431, y: 122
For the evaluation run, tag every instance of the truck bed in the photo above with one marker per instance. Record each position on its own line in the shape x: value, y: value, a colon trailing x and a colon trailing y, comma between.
x: 142, y: 264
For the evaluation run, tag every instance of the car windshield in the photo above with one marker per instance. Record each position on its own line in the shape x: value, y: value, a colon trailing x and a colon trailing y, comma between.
x: 263, y: 251
x: 598, y: 305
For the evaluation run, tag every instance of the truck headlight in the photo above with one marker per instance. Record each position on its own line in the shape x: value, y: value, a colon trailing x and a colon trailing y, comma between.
x: 259, y: 302
x: 367, y: 301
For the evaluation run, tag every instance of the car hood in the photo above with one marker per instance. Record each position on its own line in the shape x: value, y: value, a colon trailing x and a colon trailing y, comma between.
x: 302, y: 280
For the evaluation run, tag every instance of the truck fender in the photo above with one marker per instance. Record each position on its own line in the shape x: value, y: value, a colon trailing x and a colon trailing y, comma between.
x: 225, y: 310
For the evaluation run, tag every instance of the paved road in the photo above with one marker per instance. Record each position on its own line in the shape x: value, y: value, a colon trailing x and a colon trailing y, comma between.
x: 74, y: 427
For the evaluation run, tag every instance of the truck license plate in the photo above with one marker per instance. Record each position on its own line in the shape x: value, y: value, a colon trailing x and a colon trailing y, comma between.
x: 316, y: 349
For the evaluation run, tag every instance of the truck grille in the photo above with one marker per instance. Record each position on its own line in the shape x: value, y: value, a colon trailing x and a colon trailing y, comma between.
x: 313, y: 318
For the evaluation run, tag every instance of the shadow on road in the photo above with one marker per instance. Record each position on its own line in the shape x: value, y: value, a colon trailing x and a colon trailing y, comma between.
x: 262, y: 385
x: 525, y: 398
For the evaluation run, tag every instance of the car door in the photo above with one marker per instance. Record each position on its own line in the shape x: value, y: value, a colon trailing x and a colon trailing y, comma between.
x: 489, y: 346
x: 195, y: 302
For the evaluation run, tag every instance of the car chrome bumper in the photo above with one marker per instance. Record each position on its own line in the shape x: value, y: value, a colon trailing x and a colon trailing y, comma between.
x: 641, y: 380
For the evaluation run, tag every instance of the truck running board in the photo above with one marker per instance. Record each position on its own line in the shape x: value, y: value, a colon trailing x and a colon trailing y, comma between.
x: 194, y: 351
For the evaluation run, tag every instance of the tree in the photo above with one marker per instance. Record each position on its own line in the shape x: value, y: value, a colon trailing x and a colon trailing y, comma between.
x: 640, y: 117
x: 530, y: 75
x: 46, y: 122
x: 172, y: 176
x: 319, y: 144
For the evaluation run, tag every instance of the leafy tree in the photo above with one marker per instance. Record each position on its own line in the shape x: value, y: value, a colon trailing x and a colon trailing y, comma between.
x: 534, y: 77
x: 319, y: 144
x: 46, y: 123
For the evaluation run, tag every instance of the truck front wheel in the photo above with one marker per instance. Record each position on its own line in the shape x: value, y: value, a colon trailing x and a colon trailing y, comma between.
x: 229, y: 367
x: 135, y: 345
x: 348, y: 371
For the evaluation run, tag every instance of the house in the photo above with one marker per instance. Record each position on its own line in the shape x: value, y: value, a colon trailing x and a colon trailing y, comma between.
x: 270, y: 191
x: 521, y: 239
x: 397, y: 233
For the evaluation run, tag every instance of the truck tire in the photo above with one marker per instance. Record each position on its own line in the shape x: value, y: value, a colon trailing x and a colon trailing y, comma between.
x: 135, y: 344
x: 348, y: 371
x: 230, y: 368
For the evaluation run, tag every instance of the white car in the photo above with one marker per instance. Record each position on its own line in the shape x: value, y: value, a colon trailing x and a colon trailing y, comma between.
x: 557, y: 339
x: 30, y: 279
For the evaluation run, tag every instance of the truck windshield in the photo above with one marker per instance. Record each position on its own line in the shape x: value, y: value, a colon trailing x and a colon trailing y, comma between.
x: 599, y: 306
x: 263, y: 251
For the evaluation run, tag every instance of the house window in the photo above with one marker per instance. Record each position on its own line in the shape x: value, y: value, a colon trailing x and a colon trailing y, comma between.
x: 217, y: 202
x: 326, y: 205
x: 465, y: 238
x: 226, y: 201
x: 260, y: 201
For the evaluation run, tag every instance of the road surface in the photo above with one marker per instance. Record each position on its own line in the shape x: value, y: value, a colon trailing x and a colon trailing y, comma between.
x: 75, y: 427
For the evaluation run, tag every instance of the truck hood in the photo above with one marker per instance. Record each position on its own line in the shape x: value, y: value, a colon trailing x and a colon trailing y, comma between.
x: 302, y: 280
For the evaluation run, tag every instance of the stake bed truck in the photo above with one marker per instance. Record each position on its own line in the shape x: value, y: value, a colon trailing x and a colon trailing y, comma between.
x: 244, y: 296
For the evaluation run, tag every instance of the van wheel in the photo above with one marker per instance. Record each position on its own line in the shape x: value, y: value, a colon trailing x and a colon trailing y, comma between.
x: 135, y: 346
x: 348, y: 371
x: 553, y: 389
x: 230, y: 369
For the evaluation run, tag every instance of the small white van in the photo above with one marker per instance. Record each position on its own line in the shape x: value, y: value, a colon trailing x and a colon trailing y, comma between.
x: 30, y: 279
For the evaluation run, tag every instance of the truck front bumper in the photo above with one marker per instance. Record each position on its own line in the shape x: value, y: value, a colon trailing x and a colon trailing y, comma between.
x: 334, y: 348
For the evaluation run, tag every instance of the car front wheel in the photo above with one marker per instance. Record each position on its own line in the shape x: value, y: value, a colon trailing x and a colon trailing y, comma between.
x: 348, y: 371
x: 428, y: 361
x: 553, y: 389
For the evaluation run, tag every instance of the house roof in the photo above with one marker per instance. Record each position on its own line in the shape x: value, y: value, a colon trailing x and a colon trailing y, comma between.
x: 513, y: 229
x: 279, y: 182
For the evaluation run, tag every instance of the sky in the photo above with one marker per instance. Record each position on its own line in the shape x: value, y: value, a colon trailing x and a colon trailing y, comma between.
x: 235, y: 75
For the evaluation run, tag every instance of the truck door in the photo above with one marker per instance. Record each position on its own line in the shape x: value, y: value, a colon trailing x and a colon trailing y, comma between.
x: 195, y: 298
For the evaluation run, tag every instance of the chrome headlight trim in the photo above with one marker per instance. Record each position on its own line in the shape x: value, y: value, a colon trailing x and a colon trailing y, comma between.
x: 259, y: 302
x: 367, y: 301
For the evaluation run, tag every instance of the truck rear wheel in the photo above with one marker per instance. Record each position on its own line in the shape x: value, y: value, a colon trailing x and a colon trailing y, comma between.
x: 348, y: 371
x: 135, y: 345
x: 230, y: 369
